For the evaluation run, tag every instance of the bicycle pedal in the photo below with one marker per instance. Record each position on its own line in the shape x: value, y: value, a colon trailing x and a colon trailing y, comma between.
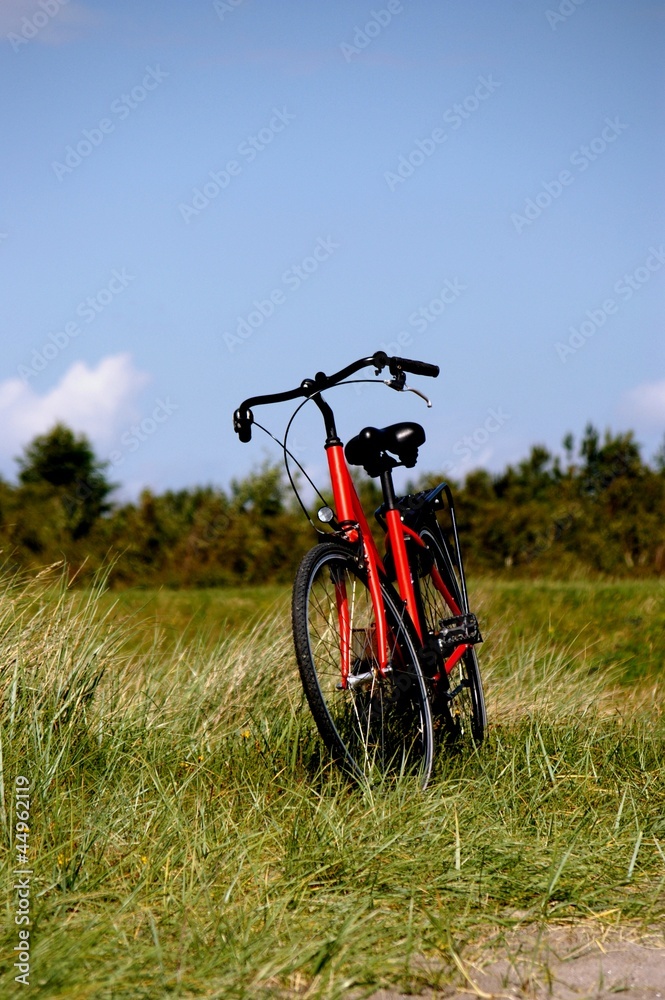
x: 458, y: 630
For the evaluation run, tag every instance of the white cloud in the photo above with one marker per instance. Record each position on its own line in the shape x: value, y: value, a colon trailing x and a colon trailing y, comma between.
x: 644, y: 405
x: 94, y: 401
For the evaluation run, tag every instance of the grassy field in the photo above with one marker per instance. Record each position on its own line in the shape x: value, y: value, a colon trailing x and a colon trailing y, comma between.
x: 188, y: 838
x: 615, y: 628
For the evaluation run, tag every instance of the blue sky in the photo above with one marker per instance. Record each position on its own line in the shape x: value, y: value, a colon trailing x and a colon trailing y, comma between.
x: 476, y: 184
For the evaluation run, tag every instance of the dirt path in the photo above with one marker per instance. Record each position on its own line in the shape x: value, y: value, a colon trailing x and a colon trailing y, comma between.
x: 562, y: 964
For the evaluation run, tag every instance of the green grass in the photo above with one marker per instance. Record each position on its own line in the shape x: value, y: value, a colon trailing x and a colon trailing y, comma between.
x: 616, y: 628
x: 188, y: 837
x: 207, y: 615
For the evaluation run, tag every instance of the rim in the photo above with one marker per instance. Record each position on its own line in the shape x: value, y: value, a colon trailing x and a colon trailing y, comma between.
x: 464, y: 714
x: 381, y: 721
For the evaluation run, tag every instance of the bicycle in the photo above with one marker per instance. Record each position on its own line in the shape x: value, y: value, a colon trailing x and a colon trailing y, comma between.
x: 385, y: 645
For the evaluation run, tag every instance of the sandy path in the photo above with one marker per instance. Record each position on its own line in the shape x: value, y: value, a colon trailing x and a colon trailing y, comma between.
x: 562, y: 964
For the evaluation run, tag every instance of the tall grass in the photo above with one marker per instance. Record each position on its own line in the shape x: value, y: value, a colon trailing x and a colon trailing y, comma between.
x: 189, y: 838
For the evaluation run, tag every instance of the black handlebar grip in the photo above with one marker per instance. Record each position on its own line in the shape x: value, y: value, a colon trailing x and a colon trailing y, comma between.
x: 242, y: 424
x: 415, y: 367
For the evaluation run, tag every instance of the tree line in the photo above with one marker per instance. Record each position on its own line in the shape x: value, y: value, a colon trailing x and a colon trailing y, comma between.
x: 599, y: 509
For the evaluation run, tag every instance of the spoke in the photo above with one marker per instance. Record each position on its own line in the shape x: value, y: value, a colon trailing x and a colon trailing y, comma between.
x: 456, y: 706
x: 379, y: 722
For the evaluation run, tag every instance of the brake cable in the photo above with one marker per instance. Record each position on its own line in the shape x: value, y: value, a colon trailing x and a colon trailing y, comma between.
x: 288, y: 454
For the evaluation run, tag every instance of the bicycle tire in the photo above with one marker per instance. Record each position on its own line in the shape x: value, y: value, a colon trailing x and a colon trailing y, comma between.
x: 458, y: 703
x: 382, y: 725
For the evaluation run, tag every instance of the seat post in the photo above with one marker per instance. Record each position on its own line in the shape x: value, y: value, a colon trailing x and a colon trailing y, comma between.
x: 386, y: 477
x: 397, y: 543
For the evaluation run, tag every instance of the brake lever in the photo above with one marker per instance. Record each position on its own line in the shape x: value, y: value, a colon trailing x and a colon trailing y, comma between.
x: 398, y: 384
x: 409, y: 388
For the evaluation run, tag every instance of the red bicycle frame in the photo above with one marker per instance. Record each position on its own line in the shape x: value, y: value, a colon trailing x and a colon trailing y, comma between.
x: 352, y: 518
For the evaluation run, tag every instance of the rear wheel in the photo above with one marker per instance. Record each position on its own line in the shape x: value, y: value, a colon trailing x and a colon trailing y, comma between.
x: 458, y: 703
x: 372, y: 723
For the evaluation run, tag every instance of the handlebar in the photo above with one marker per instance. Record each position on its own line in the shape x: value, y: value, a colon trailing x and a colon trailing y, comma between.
x: 415, y: 367
x: 243, y: 416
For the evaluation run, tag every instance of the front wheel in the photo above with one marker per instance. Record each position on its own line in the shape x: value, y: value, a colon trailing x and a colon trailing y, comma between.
x: 458, y: 701
x: 372, y: 722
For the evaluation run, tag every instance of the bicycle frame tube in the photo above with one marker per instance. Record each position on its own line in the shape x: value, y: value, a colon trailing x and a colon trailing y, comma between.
x: 350, y: 514
x: 454, y: 657
x: 396, y: 534
x: 437, y: 579
x: 342, y: 601
x: 440, y: 585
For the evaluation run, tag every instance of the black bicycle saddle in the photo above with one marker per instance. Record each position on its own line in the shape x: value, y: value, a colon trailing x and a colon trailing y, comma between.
x: 367, y: 447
